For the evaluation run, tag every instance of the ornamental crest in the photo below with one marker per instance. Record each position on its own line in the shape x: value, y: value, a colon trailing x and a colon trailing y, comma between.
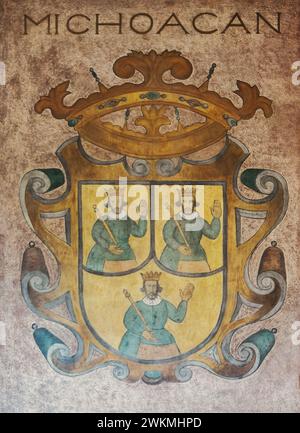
x: 154, y: 225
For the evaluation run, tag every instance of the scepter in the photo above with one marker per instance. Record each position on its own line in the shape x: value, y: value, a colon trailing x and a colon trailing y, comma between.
x: 182, y: 233
x: 107, y: 228
x: 129, y: 297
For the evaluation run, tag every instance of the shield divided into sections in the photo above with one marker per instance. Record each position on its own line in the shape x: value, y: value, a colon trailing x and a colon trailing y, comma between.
x: 151, y: 246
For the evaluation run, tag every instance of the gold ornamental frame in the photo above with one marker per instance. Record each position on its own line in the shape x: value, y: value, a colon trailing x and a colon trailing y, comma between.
x: 152, y: 156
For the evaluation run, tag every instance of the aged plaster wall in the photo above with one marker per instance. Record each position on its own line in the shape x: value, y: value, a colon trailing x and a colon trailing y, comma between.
x: 38, y: 61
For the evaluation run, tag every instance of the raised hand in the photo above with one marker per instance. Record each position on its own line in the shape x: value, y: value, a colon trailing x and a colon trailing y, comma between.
x: 187, y: 292
x: 216, y: 210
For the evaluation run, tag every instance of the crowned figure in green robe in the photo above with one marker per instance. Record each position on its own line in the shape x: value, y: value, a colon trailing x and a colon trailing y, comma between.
x: 112, y: 251
x: 183, y: 251
x: 146, y: 336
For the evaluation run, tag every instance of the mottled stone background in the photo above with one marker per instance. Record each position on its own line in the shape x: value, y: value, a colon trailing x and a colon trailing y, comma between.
x: 38, y: 61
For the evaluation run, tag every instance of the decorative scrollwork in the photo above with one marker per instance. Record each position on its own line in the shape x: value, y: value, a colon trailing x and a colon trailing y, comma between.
x: 168, y: 167
x: 152, y: 66
x: 249, y: 356
x: 137, y: 167
x: 252, y: 101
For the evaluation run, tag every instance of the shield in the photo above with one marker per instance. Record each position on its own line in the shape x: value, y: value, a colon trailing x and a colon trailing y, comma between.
x: 153, y: 242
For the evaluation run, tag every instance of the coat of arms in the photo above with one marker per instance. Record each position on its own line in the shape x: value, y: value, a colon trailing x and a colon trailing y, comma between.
x: 154, y: 226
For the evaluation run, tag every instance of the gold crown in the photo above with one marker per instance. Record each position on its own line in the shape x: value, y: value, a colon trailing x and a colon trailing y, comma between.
x: 151, y: 276
x: 160, y: 104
